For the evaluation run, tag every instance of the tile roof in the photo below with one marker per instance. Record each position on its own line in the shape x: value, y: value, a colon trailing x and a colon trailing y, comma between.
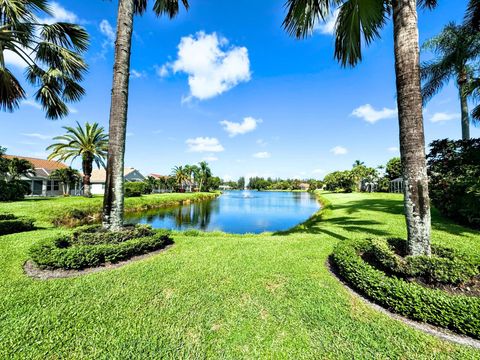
x: 42, y: 167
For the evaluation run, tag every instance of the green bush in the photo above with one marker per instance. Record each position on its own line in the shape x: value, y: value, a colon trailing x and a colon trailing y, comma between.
x: 454, y: 172
x: 456, y: 312
x: 444, y: 266
x: 135, y: 189
x: 88, y: 249
x: 9, y: 224
x: 13, y: 190
x: 340, y: 181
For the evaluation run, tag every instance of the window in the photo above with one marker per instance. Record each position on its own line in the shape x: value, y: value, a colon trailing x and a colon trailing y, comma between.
x: 56, y: 186
x: 49, y: 186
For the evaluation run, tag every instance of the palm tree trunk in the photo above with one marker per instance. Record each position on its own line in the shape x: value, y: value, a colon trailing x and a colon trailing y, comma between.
x: 412, y: 140
x: 87, y: 167
x: 114, y: 189
x: 462, y: 81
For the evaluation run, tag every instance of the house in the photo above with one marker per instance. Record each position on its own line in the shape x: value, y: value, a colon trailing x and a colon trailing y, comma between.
x: 40, y: 182
x: 162, y: 186
x: 99, y: 175
x: 304, y: 186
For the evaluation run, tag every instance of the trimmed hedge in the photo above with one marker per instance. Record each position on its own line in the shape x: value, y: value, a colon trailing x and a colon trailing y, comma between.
x: 89, y: 249
x: 443, y: 267
x: 10, y: 224
x: 456, y: 312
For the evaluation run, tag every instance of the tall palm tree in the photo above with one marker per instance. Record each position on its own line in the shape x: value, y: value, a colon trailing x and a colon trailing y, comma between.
x: 52, y: 54
x: 456, y: 47
x: 89, y: 142
x: 113, y: 206
x: 181, y: 175
x: 204, y: 174
x: 360, y: 22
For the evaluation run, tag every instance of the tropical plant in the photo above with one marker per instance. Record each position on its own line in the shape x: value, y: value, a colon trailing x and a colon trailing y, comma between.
x: 17, y: 168
x: 67, y: 176
x: 360, y: 22
x: 51, y: 52
x: 204, y: 173
x: 113, y: 201
x: 394, y: 168
x: 456, y: 48
x: 472, y: 17
x: 358, y: 163
x: 89, y: 142
x: 181, y: 176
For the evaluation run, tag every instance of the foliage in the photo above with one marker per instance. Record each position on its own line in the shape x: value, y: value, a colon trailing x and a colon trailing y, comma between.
x: 135, y: 189
x: 10, y: 224
x: 454, y: 170
x: 67, y: 176
x: 91, y: 250
x: 13, y: 190
x: 444, y: 267
x: 394, y: 168
x: 51, y: 52
x: 340, y: 181
x: 213, y: 183
x: 455, y: 312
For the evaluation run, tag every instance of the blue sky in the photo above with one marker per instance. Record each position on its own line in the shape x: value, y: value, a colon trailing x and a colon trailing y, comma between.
x: 225, y: 83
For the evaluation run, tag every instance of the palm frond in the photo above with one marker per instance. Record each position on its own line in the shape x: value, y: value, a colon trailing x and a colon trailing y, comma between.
x: 169, y: 7
x: 429, y: 4
x: 472, y: 17
x: 434, y: 75
x: 11, y: 92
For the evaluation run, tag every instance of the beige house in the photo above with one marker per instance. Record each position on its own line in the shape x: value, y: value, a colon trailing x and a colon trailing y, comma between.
x: 99, y: 175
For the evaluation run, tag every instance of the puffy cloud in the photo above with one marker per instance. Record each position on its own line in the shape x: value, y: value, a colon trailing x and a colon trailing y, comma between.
x: 442, y: 116
x: 32, y: 103
x: 204, y: 144
x: 339, y: 150
x: 135, y: 74
x: 393, y: 149
x: 328, y: 27
x: 38, y: 136
x: 370, y: 115
x: 212, y: 67
x: 107, y: 30
x: 262, y: 155
x: 60, y: 14
x: 233, y: 129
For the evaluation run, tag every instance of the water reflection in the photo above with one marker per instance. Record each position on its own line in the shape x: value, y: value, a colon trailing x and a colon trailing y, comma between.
x: 235, y: 212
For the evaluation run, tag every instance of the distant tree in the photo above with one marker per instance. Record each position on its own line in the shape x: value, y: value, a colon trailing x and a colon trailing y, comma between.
x: 241, y: 183
x: 394, y: 168
x: 214, y: 183
x: 358, y: 163
x: 89, y: 142
x: 456, y: 48
x: 340, y: 181
x: 52, y: 53
x: 67, y: 176
x: 18, y: 168
x: 204, y: 173
x: 181, y: 175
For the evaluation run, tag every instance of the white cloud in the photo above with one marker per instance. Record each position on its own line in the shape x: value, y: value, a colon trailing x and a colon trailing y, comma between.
x: 109, y: 33
x: 261, y: 142
x: 212, y: 67
x: 442, y: 116
x: 262, y: 155
x: 60, y: 14
x: 210, y: 158
x: 339, y: 150
x: 72, y: 110
x: 135, y: 74
x: 38, y: 136
x: 32, y: 103
x: 233, y: 129
x: 328, y: 27
x: 204, y: 144
x: 370, y: 115
x: 393, y: 149
x: 162, y: 71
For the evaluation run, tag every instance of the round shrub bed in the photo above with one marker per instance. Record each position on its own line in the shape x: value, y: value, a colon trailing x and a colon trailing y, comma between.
x: 10, y: 224
x: 91, y: 246
x: 459, y: 313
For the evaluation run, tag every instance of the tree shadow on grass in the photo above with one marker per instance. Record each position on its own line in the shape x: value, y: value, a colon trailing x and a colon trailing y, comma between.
x: 389, y: 206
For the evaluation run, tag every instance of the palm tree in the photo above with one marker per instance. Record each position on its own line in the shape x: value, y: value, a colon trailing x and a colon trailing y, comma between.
x: 16, y: 168
x: 455, y: 49
x: 52, y: 54
x: 113, y: 207
x: 67, y: 176
x: 89, y: 142
x: 181, y: 175
x: 204, y: 174
x: 358, y: 163
x: 360, y: 22
x: 472, y: 17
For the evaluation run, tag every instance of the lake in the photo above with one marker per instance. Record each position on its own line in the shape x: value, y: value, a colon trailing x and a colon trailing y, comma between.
x: 237, y: 212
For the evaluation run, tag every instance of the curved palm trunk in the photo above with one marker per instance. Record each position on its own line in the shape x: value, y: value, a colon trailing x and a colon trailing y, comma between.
x: 462, y: 82
x: 87, y: 167
x: 113, y: 198
x: 412, y: 140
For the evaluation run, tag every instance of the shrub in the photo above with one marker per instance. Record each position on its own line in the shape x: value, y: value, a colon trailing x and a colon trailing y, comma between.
x: 87, y: 249
x: 13, y: 190
x: 456, y: 312
x: 10, y: 224
x: 444, y: 266
x: 454, y: 171
x: 135, y: 189
x: 340, y: 181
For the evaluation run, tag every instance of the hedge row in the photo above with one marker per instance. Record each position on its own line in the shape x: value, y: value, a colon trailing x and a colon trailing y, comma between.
x: 456, y: 312
x: 64, y: 253
x: 10, y: 224
x: 443, y: 267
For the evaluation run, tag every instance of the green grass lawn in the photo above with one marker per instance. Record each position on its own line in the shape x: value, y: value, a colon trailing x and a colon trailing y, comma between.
x: 220, y: 296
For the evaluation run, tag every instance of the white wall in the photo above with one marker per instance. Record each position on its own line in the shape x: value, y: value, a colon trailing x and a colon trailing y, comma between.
x: 98, y: 189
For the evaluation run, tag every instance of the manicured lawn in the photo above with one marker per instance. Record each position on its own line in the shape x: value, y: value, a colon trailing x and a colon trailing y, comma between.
x: 220, y: 296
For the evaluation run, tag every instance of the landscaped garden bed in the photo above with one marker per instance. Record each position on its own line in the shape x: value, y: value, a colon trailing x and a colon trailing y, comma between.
x: 441, y: 290
x: 91, y: 246
x: 11, y: 224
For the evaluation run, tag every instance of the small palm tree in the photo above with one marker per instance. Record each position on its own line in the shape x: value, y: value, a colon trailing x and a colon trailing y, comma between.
x: 181, y: 176
x: 67, y: 176
x: 360, y: 23
x: 113, y: 206
x: 204, y: 174
x: 17, y: 168
x: 89, y: 142
x: 456, y: 48
x: 358, y: 163
x: 52, y: 54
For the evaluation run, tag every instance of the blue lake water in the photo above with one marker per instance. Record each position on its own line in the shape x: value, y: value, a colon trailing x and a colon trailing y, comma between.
x: 236, y: 212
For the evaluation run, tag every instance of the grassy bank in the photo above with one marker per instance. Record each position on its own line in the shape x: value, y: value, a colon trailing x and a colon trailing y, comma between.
x: 64, y: 210
x: 221, y: 296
